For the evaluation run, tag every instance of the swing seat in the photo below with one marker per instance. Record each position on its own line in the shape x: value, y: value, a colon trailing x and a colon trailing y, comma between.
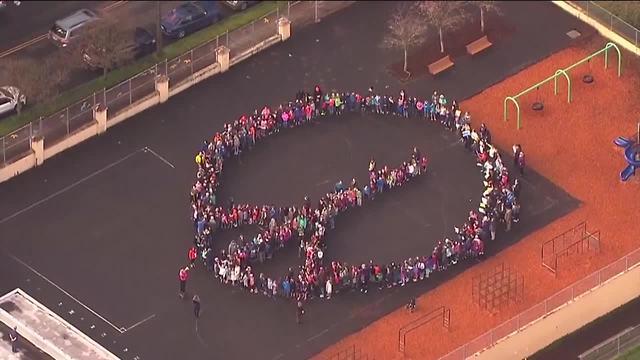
x: 537, y: 106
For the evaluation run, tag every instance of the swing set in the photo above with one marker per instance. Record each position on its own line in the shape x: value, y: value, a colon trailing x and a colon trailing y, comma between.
x: 538, y: 105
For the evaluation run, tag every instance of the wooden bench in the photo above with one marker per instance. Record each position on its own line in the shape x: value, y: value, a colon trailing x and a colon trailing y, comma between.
x: 479, y: 45
x: 440, y: 65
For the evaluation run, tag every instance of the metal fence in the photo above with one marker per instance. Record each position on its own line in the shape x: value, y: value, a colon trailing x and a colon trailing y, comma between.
x: 545, y: 307
x: 614, y: 23
x: 351, y: 353
x: 57, y: 126
x: 614, y: 346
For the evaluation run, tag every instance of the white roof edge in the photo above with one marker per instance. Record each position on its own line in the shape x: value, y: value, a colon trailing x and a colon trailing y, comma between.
x: 40, y: 341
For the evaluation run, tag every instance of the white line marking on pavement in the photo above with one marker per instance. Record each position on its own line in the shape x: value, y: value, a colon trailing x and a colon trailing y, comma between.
x: 318, y: 335
x: 59, y: 192
x: 148, y: 149
x: 23, y: 45
x: 140, y: 322
x: 118, y: 329
x: 114, y: 5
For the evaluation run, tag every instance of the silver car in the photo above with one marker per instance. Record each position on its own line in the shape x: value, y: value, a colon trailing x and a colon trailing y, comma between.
x: 10, y: 97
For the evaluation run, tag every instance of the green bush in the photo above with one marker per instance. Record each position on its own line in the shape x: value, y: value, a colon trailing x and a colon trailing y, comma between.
x: 121, y: 74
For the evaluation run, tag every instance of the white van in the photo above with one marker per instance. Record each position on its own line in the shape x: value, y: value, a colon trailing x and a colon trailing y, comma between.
x: 66, y: 30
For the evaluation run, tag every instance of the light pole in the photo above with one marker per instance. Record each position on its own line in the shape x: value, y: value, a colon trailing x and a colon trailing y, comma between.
x: 158, y: 29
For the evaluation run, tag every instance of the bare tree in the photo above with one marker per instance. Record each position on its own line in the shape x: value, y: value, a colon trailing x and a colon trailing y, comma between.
x: 106, y: 43
x: 486, y: 7
x: 444, y: 15
x: 405, y: 28
x: 38, y: 81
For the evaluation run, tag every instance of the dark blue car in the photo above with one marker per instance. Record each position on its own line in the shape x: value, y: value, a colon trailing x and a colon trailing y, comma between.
x: 190, y: 17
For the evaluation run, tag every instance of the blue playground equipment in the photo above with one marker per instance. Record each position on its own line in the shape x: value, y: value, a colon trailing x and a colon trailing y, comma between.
x: 631, y: 155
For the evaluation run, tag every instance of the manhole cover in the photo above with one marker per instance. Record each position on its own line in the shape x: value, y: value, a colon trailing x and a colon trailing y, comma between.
x: 574, y: 34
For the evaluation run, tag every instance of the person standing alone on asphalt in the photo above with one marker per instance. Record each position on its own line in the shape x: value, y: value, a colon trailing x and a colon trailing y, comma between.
x: 299, y: 312
x: 183, y: 275
x: 13, y: 336
x: 196, y: 306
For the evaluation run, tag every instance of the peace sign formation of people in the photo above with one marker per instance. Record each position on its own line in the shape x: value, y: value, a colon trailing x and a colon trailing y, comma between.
x: 306, y: 224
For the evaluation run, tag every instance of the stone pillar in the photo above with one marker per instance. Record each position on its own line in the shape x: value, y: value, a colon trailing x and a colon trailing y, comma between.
x: 37, y: 145
x: 222, y: 58
x: 162, y: 87
x: 100, y: 116
x: 284, y: 28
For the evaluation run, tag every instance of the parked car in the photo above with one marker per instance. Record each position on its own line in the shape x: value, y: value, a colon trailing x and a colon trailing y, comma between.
x: 190, y: 17
x: 142, y: 43
x: 4, y: 4
x: 66, y: 30
x: 10, y: 96
x: 239, y: 5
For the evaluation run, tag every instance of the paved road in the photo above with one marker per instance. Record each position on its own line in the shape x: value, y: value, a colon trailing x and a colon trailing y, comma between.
x: 109, y: 223
x: 19, y: 24
x: 130, y: 14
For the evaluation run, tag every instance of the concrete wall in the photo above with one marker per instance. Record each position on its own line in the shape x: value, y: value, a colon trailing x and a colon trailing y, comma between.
x: 197, y: 77
x: 18, y: 167
x: 70, y: 141
x: 162, y: 94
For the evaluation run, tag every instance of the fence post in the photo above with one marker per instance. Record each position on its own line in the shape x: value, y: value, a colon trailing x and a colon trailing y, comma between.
x: 67, y: 120
x: 191, y: 62
x: 130, y: 94
x: 611, y: 22
x: 227, y: 37
x: 104, y: 96
x: 40, y: 126
x: 316, y: 11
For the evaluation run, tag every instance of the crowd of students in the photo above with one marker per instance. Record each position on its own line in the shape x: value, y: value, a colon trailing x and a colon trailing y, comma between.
x: 306, y: 225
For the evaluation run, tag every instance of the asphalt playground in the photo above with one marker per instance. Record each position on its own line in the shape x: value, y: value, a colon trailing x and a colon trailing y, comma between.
x: 98, y: 233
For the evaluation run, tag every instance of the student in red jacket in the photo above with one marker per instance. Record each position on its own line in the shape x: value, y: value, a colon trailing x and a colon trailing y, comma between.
x: 183, y: 275
x: 193, y: 255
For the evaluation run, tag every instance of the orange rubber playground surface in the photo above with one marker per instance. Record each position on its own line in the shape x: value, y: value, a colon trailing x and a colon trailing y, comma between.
x: 569, y: 144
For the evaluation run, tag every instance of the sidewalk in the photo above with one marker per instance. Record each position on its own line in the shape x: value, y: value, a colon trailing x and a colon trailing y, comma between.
x: 595, y: 304
x: 301, y: 13
x: 602, y: 29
